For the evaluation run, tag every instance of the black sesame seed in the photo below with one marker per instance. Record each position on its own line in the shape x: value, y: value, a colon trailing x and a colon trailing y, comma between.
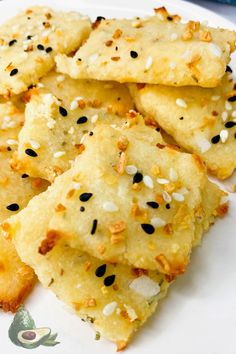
x: 181, y: 118
x: 116, y: 48
x: 13, y: 207
x: 63, y: 111
x: 94, y: 227
x: 24, y: 175
x: 100, y: 18
x: 230, y: 124
x: 28, y: 18
x: 232, y: 99
x: 31, y: 86
x: 169, y: 18
x: 215, y: 139
x: 31, y: 153
x: 82, y: 120
x: 153, y: 205
x: 12, y: 42
x: 91, y: 133
x: 108, y: 281
x: 82, y: 209
x: 138, y: 177
x: 8, y: 148
x: 148, y: 228
x: 79, y: 59
x: 100, y: 271
x: 133, y: 54
x: 167, y: 206
x: 228, y: 69
x: 29, y: 37
x: 13, y: 72
x: 84, y: 197
x: 48, y: 49
x: 40, y: 47
x: 234, y: 135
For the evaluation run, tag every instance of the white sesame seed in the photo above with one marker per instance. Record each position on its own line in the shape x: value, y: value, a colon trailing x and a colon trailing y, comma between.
x: 167, y: 198
x: 109, y: 308
x: 131, y: 169
x: 173, y: 175
x: 173, y: 36
x: 8, y: 123
x: 224, y: 116
x: 147, y: 180
x: 94, y: 118
x: 51, y: 123
x: 40, y: 85
x: 172, y: 65
x: 145, y: 286
x: 59, y: 154
x: 34, y: 144
x: 228, y: 106
x: 12, y: 142
x: 234, y: 114
x: 182, y: 190
x: 60, y: 78
x: 181, y: 103
x: 215, y: 98
x: 71, y: 130
x: 149, y: 63
x: 110, y: 206
x: 215, y: 49
x: 78, y: 286
x: 162, y: 181
x: 203, y: 144
x: 178, y: 197
x: 186, y: 54
x: 158, y: 222
x: 224, y: 134
x: 73, y: 105
x: 79, y: 98
x: 76, y: 185
x: 93, y: 58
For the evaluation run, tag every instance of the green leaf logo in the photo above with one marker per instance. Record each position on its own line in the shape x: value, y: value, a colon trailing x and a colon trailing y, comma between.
x: 23, y: 332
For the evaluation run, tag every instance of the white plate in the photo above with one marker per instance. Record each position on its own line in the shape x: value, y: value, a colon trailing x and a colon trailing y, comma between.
x: 199, y: 314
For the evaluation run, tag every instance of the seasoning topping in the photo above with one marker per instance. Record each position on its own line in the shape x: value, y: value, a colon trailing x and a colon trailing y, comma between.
x: 148, y: 228
x: 84, y: 197
x: 133, y: 54
x: 138, y: 177
x: 232, y: 99
x: 82, y: 120
x: 24, y: 175
x: 108, y: 281
x: 31, y: 153
x: 12, y: 42
x: 13, y: 72
x: 100, y: 271
x: 94, y: 227
x: 230, y: 124
x: 40, y: 47
x: 13, y: 207
x: 153, y: 205
x: 48, y: 50
x: 215, y: 139
x: 63, y: 111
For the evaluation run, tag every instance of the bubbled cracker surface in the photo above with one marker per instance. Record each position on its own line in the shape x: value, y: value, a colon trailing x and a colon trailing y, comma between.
x: 152, y: 50
x: 194, y: 127
x: 22, y: 62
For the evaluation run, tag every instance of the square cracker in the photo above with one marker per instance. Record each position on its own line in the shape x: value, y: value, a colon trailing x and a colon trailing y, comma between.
x: 16, y: 278
x: 156, y: 50
x: 57, y: 137
x: 201, y: 120
x: 100, y: 204
x: 30, y: 41
x: 116, y: 310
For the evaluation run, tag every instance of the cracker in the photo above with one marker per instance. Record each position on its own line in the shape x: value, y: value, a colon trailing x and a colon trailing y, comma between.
x: 203, y: 121
x: 30, y: 41
x: 153, y: 50
x: 59, y: 114
x: 16, y: 278
x: 100, y: 204
x: 116, y: 310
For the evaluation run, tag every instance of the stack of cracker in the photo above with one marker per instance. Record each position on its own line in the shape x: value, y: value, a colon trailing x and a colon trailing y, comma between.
x: 87, y: 108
